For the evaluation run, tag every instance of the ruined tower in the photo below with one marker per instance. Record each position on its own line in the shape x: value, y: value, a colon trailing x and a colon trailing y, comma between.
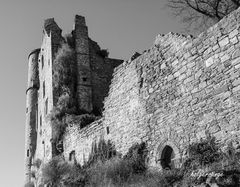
x: 84, y: 87
x: 94, y: 73
x: 31, y: 111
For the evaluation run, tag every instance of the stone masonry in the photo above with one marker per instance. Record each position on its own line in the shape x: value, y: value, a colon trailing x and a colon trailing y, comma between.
x: 177, y: 92
x: 94, y: 74
x: 180, y: 90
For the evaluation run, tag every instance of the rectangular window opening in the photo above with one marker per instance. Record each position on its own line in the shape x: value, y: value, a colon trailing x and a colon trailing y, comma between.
x: 43, y: 89
x: 108, y: 131
x: 46, y: 106
x: 36, y: 117
x: 42, y: 61
x: 72, y: 156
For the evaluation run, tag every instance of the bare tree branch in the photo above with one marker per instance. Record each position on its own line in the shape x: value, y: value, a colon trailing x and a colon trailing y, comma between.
x: 202, y: 12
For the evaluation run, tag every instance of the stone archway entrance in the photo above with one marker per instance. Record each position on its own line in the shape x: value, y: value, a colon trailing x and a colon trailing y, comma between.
x: 167, y: 157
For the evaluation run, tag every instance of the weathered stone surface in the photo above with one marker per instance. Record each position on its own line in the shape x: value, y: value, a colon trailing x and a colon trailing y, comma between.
x: 175, y: 93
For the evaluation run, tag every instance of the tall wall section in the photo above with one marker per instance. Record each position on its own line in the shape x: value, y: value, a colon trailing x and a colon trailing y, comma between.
x: 52, y: 39
x: 101, y: 75
x: 31, y: 112
x: 94, y: 74
x: 181, y: 90
x: 177, y: 92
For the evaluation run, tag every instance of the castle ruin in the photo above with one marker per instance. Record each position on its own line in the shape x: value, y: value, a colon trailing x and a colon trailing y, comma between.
x: 180, y: 90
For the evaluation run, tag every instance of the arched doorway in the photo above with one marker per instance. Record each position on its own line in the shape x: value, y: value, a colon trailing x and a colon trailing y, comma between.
x: 167, y: 157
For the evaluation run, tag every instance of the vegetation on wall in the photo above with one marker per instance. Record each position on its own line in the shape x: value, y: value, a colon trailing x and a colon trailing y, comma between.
x: 29, y: 184
x: 104, y: 167
x: 101, y: 151
x: 65, y: 89
x: 207, y: 164
x: 37, y: 163
x: 203, y: 153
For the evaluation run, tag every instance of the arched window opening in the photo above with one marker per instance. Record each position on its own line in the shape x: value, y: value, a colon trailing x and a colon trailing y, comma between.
x: 166, y: 158
x: 42, y: 61
x: 72, y: 157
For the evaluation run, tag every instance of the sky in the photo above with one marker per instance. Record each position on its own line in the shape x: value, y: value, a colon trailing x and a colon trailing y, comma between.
x: 121, y: 26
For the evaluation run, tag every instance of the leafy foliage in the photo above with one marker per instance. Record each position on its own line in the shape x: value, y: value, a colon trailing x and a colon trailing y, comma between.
x: 136, y: 156
x: 203, y: 153
x: 102, y: 151
x: 54, y: 171
x: 65, y: 88
x: 64, y: 72
x: 205, y: 165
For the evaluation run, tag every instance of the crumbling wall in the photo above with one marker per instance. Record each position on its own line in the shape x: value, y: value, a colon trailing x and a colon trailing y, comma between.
x: 101, y: 75
x: 80, y: 140
x: 177, y: 92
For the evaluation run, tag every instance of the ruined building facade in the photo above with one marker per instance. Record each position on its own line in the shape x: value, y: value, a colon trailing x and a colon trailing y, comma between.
x: 94, y: 73
x: 180, y: 90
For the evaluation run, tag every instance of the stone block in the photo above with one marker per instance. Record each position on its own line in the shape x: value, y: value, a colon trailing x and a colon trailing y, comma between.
x: 237, y: 66
x: 224, y: 42
x: 236, y: 53
x: 236, y: 82
x: 233, y: 33
x: 225, y: 58
x: 235, y: 61
x: 215, y: 47
x: 209, y: 62
x: 235, y: 89
x: 234, y: 40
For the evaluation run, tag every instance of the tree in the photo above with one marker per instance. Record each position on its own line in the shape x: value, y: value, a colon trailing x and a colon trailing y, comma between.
x: 200, y: 14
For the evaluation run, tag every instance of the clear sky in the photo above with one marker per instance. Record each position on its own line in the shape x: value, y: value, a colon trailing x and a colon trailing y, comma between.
x: 122, y: 26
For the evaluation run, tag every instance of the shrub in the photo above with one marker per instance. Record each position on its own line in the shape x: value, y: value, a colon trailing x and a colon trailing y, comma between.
x: 203, y: 153
x: 29, y: 184
x: 105, y: 166
x: 102, y: 151
x: 114, y: 171
x: 86, y: 119
x: 64, y: 85
x: 64, y: 71
x: 136, y: 157
x: 65, y: 88
x: 76, y: 177
x: 37, y: 163
x: 54, y: 171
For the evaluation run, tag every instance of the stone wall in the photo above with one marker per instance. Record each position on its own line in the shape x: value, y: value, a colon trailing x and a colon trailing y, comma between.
x: 177, y: 92
x: 80, y: 140
x: 46, y: 92
x: 31, y: 111
x: 101, y: 75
